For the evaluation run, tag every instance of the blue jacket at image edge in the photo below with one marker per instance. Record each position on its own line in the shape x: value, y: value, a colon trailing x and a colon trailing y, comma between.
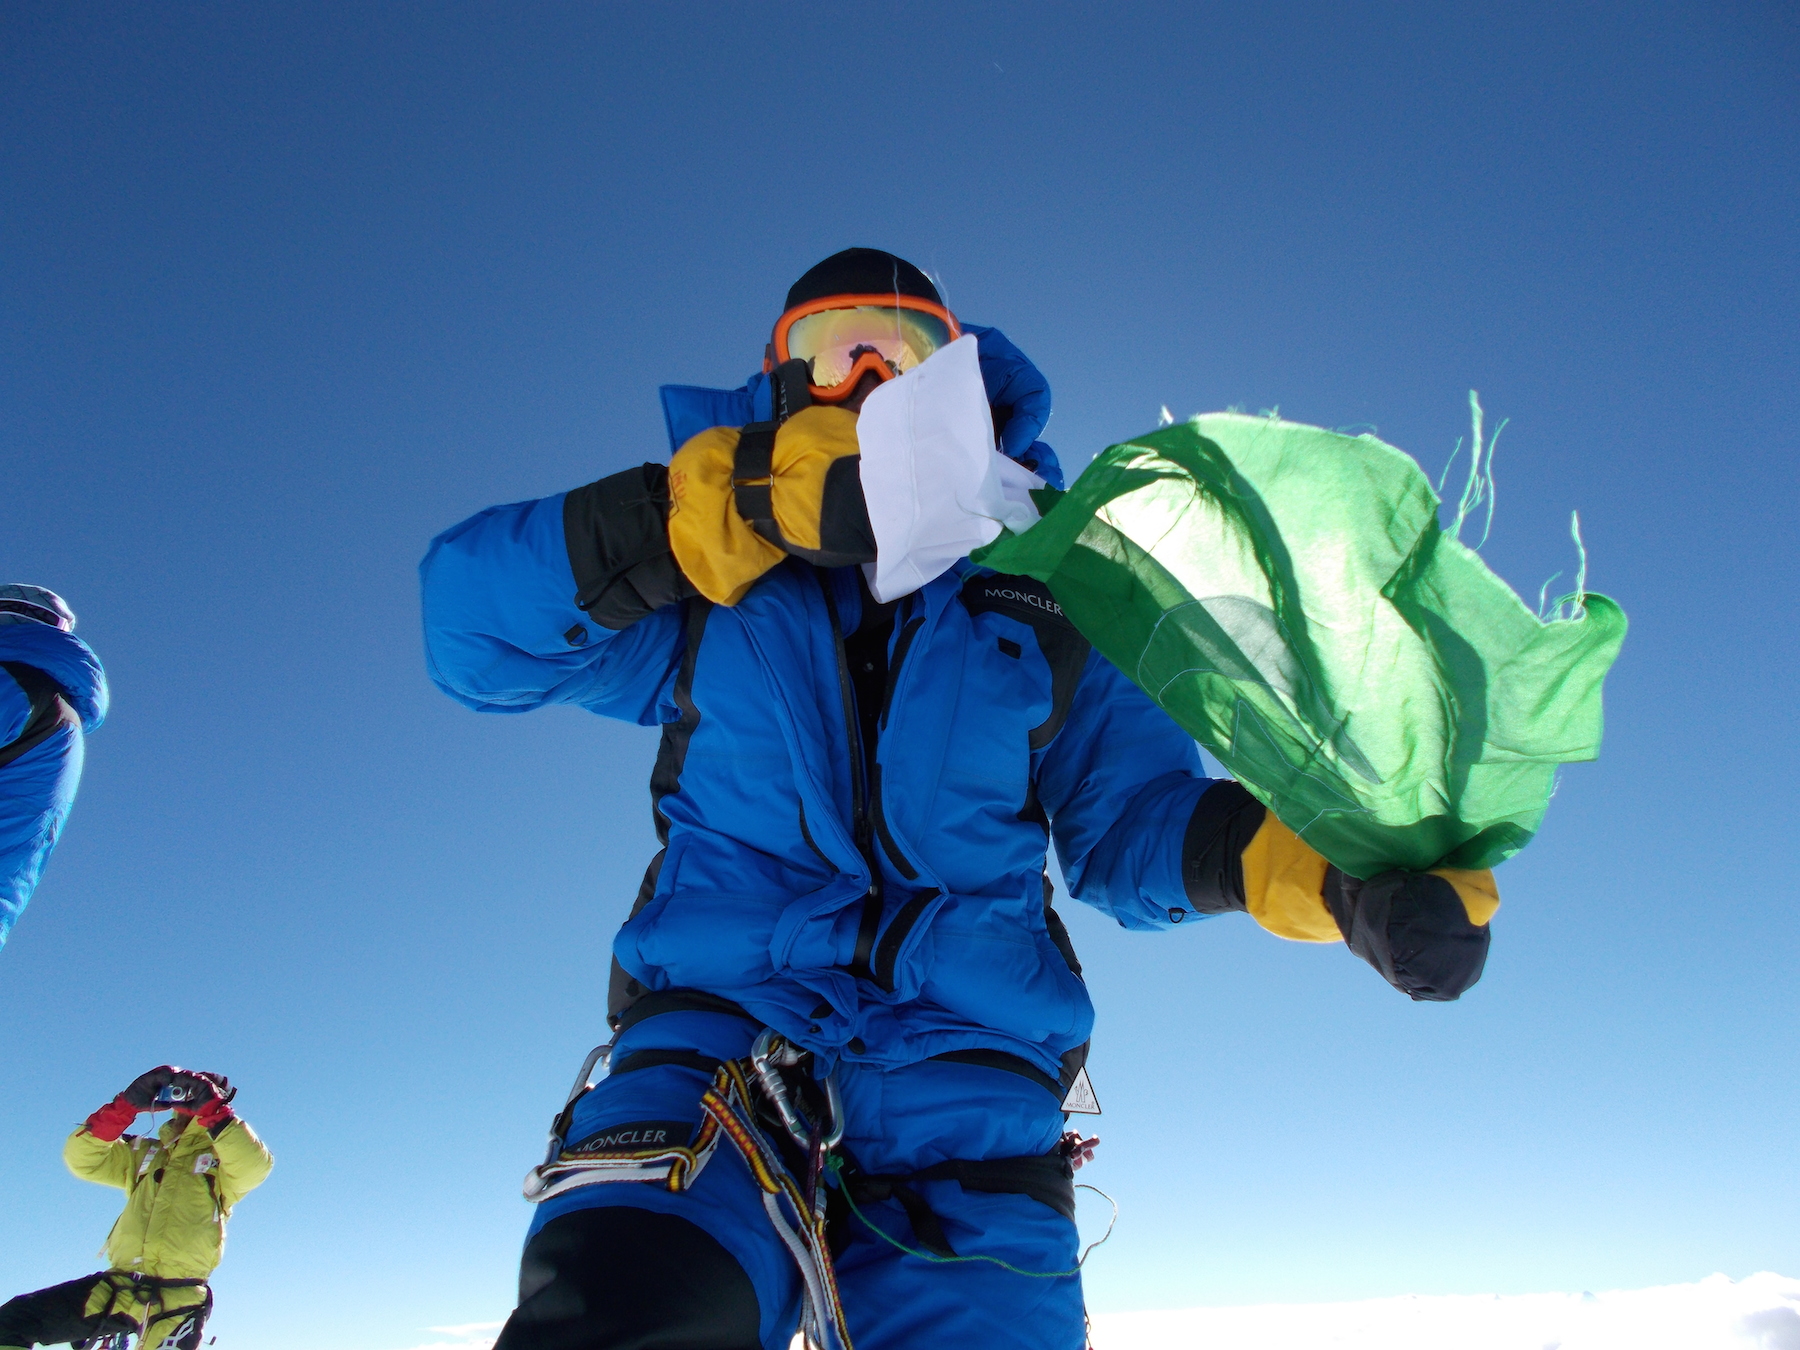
x: 758, y: 894
x: 38, y: 787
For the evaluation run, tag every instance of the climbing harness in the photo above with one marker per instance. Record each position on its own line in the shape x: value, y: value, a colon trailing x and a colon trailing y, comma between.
x: 788, y: 1126
x: 138, y: 1299
x: 729, y: 1111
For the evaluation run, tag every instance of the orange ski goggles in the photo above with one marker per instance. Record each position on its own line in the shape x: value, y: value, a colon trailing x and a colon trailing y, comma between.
x: 842, y: 337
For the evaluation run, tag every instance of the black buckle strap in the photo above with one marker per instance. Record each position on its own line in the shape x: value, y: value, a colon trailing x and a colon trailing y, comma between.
x: 659, y: 1001
x: 999, y: 1059
x: 752, y: 471
x: 1047, y: 1178
x: 650, y: 1059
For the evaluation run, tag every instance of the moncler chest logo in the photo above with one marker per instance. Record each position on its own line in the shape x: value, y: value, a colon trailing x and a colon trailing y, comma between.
x: 641, y: 1134
x: 1018, y: 597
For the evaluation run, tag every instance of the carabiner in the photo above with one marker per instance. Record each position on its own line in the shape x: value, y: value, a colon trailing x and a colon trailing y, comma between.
x: 770, y: 1055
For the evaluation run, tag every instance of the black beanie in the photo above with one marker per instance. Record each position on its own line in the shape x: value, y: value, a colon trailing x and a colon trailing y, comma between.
x: 862, y: 271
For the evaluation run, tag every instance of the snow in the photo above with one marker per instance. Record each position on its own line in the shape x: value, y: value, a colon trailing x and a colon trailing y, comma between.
x: 1758, y: 1313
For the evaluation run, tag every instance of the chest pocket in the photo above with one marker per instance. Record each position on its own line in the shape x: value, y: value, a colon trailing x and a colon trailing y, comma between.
x: 1029, y: 602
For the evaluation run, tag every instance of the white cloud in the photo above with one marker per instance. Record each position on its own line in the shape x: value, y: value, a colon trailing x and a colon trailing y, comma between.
x: 467, y: 1336
x: 1759, y: 1313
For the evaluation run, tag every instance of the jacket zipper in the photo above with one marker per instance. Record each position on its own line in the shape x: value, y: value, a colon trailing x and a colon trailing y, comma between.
x: 902, y: 645
x: 888, y: 952
x: 870, y: 922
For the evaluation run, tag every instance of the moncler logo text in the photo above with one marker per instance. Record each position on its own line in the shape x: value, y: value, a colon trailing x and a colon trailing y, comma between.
x: 638, y: 1135
x: 1022, y: 597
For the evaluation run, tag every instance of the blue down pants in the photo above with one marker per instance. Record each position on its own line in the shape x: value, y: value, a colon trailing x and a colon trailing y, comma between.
x: 897, y: 1122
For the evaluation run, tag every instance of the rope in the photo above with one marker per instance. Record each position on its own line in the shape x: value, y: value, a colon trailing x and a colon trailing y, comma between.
x: 836, y: 1166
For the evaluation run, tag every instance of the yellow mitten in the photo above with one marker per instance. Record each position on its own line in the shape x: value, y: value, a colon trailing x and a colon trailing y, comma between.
x: 1284, y: 885
x: 1426, y: 932
x: 741, y: 499
x: 716, y: 547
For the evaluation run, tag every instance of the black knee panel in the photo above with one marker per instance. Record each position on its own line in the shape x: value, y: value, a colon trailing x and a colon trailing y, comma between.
x: 630, y: 1279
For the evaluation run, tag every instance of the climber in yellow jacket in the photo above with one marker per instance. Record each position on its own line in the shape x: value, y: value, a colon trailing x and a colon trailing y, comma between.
x: 181, y: 1184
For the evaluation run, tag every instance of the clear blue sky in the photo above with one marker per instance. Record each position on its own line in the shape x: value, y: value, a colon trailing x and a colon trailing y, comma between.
x: 288, y: 289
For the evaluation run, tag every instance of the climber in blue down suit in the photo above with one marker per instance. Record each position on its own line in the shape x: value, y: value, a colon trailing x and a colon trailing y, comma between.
x: 52, y: 694
x: 855, y: 800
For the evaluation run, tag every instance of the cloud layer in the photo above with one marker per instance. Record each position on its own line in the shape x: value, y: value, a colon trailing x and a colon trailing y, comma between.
x: 1758, y: 1313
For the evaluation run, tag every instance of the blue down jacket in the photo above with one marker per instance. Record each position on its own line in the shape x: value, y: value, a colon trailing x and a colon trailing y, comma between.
x: 52, y: 693
x: 1001, y: 729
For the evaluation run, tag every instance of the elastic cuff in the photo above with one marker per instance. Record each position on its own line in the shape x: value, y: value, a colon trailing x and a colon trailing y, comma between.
x: 1225, y: 820
x: 616, y: 534
x: 112, y: 1120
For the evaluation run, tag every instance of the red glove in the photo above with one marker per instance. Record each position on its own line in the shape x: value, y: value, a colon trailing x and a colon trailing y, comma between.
x: 112, y: 1120
x: 214, y: 1115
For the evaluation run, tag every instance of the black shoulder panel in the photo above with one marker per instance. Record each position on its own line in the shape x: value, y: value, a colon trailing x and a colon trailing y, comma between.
x: 1029, y: 601
x: 621, y: 990
x: 671, y: 755
x: 49, y: 710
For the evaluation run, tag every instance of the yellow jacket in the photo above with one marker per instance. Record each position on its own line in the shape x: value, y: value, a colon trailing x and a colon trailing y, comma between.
x: 181, y: 1184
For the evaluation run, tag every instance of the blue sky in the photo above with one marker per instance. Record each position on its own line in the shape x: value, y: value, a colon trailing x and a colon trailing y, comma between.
x: 288, y: 289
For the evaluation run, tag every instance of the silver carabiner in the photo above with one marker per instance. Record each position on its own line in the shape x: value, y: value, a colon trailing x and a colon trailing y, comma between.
x: 601, y: 1055
x: 770, y: 1055
x: 835, y: 1105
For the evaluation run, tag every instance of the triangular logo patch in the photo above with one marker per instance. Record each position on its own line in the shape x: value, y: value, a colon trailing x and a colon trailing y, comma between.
x: 1081, y: 1100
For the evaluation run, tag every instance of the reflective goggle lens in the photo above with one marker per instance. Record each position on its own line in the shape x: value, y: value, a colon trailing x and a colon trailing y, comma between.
x: 831, y: 341
x: 31, y: 611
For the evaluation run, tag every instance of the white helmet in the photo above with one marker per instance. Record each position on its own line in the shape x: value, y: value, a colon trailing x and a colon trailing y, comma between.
x: 33, y: 604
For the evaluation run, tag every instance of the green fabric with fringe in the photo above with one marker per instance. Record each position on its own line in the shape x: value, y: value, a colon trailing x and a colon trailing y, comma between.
x: 1288, y: 596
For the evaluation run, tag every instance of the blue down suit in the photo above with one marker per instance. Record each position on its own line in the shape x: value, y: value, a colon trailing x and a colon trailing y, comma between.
x: 52, y: 693
x: 889, y: 912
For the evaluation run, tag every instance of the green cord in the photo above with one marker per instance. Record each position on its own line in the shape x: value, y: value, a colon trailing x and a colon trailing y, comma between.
x: 836, y: 1166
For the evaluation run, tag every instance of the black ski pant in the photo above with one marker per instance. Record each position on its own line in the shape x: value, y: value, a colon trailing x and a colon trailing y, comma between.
x: 57, y: 1315
x: 106, y: 1303
x: 586, y: 1282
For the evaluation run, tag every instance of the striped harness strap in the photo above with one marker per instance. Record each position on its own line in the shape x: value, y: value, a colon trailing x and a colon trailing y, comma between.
x: 728, y: 1113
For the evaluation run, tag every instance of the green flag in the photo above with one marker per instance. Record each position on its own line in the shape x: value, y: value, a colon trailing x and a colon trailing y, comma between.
x: 1288, y: 596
